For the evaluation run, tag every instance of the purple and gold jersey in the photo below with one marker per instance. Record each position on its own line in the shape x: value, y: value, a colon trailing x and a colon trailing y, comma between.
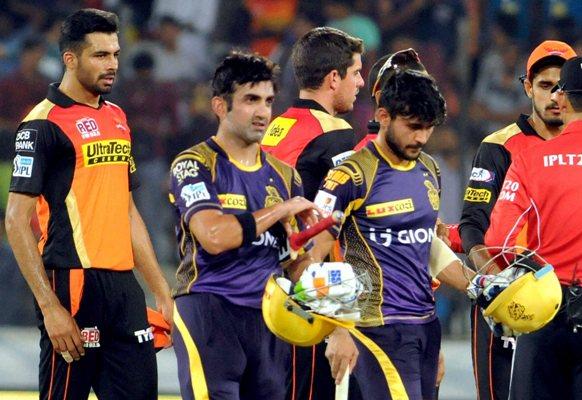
x: 204, y: 177
x: 390, y: 215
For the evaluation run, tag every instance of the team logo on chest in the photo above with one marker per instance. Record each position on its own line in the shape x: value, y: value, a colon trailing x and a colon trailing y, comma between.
x: 273, y: 196
x: 87, y: 127
x: 433, y: 195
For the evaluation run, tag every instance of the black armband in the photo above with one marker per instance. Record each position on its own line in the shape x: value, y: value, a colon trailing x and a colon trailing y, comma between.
x: 249, y: 227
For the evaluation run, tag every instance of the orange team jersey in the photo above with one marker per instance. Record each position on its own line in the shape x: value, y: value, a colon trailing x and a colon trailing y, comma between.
x: 311, y: 140
x: 78, y: 160
x: 542, y: 189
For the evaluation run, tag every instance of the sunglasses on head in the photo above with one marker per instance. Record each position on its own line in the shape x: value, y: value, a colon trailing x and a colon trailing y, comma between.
x: 394, y: 63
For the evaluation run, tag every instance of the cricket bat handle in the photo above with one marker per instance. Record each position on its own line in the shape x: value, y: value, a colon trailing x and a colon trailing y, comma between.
x: 342, y: 390
x: 298, y: 239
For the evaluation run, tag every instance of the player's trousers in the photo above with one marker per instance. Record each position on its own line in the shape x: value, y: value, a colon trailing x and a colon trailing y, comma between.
x: 548, y: 363
x: 492, y: 357
x: 310, y: 375
x: 398, y: 360
x: 226, y: 352
x: 119, y: 362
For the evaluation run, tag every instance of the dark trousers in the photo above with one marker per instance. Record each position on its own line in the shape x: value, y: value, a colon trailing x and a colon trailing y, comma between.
x: 548, y: 363
x: 119, y: 361
x: 226, y: 352
x: 398, y: 359
x: 491, y: 359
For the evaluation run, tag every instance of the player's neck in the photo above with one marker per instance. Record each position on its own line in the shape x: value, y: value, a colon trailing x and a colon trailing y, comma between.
x: 545, y: 131
x: 388, y: 154
x: 323, y: 99
x: 238, y: 150
x: 73, y: 89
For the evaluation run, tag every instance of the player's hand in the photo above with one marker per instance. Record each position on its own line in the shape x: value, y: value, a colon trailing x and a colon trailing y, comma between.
x: 165, y: 306
x: 440, y: 369
x: 485, y: 288
x: 301, y: 208
x: 63, y: 332
x: 341, y: 352
x: 442, y: 232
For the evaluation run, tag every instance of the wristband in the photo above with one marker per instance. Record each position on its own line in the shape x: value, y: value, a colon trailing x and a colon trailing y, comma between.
x: 249, y: 227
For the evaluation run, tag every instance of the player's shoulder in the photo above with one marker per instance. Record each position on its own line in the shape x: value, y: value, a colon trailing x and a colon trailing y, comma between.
x: 283, y: 169
x: 502, y: 136
x: 40, y: 112
x: 200, y: 153
x: 430, y: 162
x: 328, y: 122
x: 362, y: 164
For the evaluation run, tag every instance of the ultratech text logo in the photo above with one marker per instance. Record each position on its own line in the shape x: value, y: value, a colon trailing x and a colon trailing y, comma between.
x: 106, y: 152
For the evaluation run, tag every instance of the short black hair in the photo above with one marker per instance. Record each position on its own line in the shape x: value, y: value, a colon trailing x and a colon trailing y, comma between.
x: 320, y: 51
x: 239, y: 68
x: 411, y: 94
x: 83, y: 22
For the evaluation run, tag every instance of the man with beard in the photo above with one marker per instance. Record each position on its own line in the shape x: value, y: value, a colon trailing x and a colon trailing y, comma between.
x: 74, y: 165
x: 310, y: 137
x: 389, y: 193
x: 492, y: 354
x: 232, y: 201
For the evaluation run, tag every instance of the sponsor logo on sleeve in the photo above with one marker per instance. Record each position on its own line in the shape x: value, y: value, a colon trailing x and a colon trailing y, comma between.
x: 106, y: 152
x: 26, y: 140
x: 326, y: 202
x: 277, y: 131
x: 185, y: 169
x: 334, y: 178
x: 236, y: 201
x: 194, y: 192
x: 23, y: 166
x: 337, y: 160
x: 87, y: 127
x: 477, y: 195
x: 390, y: 208
x: 508, y: 190
x: 482, y: 175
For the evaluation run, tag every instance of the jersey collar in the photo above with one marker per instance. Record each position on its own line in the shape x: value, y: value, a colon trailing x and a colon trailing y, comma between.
x: 525, y: 127
x: 62, y: 100
x: 307, y: 103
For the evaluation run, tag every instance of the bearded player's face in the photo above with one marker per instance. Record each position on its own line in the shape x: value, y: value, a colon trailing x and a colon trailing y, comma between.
x: 97, y: 63
x: 250, y: 111
x: 540, y: 92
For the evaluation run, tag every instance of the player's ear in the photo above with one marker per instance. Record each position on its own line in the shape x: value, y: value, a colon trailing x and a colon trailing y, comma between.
x: 382, y: 116
x: 219, y: 106
x: 333, y: 79
x: 527, y: 87
x: 70, y: 60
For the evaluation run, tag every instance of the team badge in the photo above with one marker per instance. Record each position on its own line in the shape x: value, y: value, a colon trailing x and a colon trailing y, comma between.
x: 91, y: 337
x: 433, y: 195
x: 273, y: 196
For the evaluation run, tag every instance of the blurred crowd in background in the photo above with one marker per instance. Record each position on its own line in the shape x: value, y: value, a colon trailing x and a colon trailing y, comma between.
x: 476, y: 50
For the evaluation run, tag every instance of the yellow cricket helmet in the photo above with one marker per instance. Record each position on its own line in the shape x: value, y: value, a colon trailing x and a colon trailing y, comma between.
x: 291, y: 323
x: 529, y: 302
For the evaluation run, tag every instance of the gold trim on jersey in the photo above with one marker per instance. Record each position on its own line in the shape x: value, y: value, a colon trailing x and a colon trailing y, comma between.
x: 393, y: 380
x: 503, y: 135
x: 202, y: 153
x: 285, y: 171
x: 405, y: 165
x: 369, y: 318
x: 433, y: 169
x: 40, y: 111
x: 75, y: 219
x: 328, y: 122
x: 197, y: 377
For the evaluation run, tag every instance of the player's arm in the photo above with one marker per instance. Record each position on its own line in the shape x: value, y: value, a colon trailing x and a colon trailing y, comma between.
x: 489, y: 167
x: 218, y: 232
x: 512, y: 208
x: 323, y: 153
x: 147, y: 264
x: 60, y: 325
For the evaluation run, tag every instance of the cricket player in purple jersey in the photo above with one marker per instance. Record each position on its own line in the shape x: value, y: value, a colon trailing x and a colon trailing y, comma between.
x: 234, y: 205
x: 389, y: 191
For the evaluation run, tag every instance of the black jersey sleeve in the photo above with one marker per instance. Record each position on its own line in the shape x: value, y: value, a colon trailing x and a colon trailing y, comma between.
x: 489, y: 168
x: 320, y: 155
x: 35, y: 144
